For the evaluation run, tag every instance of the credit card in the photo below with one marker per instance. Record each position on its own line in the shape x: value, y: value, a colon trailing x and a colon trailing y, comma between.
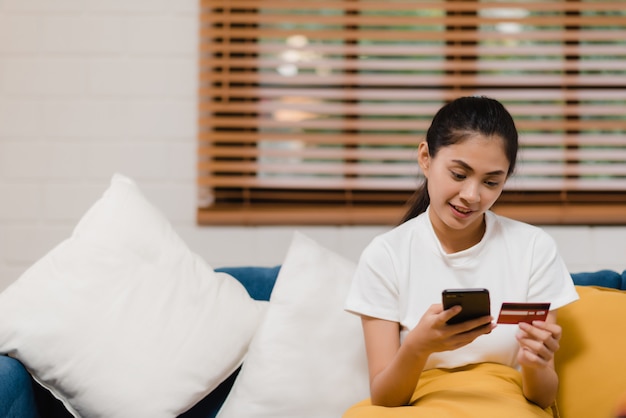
x: 513, y: 313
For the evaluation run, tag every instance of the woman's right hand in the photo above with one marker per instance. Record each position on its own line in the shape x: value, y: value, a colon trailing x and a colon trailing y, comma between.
x: 395, y: 368
x: 432, y: 334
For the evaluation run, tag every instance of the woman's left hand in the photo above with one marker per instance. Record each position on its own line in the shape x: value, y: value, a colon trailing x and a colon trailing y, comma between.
x: 538, y: 342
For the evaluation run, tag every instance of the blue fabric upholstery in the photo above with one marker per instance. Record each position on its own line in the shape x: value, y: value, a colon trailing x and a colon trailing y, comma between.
x: 16, y: 391
x: 604, y: 278
x: 259, y: 281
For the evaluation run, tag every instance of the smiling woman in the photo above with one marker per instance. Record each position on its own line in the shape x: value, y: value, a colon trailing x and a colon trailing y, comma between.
x: 466, y: 186
x: 470, y: 150
x: 311, y: 112
x: 418, y: 355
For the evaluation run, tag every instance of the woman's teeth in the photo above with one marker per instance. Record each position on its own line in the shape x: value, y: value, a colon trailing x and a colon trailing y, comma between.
x: 461, y: 209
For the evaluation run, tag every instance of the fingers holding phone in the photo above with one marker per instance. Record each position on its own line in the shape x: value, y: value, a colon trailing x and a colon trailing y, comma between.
x: 474, y: 303
x: 474, y: 318
x: 463, y: 316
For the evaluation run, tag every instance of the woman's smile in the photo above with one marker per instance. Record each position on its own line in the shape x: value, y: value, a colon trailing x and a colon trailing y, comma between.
x: 461, y: 211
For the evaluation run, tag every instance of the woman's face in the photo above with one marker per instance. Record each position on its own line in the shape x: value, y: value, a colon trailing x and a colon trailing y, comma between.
x: 464, y: 181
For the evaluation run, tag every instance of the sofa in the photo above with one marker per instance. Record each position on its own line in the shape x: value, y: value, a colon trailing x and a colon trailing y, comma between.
x: 22, y: 397
x: 123, y: 319
x: 587, y: 390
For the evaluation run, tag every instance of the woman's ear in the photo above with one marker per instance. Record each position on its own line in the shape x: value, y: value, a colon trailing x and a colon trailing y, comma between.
x: 423, y: 157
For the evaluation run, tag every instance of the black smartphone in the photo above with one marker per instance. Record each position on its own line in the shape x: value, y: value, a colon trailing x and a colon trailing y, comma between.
x: 475, y: 303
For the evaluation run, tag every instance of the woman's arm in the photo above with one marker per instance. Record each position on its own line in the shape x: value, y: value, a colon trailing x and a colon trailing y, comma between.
x: 394, y: 372
x: 538, y: 343
x: 395, y: 368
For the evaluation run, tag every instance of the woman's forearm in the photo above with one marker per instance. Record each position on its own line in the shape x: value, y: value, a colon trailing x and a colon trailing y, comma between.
x: 540, y: 385
x: 395, y: 385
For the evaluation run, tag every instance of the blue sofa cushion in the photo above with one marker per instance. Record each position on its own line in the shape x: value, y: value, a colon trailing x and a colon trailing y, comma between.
x: 16, y: 390
x: 259, y: 281
x: 604, y: 278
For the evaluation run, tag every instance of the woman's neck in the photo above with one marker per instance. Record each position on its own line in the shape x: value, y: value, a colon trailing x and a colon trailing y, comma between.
x: 455, y: 240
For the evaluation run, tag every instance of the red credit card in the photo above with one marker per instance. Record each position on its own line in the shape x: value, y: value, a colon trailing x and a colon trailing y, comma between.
x: 513, y: 313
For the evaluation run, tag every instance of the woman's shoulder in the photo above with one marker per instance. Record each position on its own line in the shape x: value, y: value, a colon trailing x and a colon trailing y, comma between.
x: 398, y: 236
x: 519, y: 230
x: 405, y: 230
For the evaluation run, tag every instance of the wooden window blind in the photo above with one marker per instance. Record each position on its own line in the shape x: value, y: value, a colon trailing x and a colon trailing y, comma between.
x: 310, y: 111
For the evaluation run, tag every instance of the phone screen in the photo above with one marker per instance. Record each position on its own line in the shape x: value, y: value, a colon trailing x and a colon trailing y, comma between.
x: 474, y: 301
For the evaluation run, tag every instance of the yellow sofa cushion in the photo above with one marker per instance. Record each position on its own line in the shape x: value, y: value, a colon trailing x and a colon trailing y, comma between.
x: 591, y: 362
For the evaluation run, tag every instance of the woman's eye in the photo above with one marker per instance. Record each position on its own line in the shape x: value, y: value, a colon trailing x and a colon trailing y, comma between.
x: 458, y: 176
x: 492, y: 183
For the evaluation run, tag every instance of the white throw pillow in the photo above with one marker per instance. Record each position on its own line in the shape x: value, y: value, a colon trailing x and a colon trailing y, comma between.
x: 122, y: 319
x: 307, y: 358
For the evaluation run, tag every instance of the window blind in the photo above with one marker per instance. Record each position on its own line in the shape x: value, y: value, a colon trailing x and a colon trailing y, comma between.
x: 310, y: 112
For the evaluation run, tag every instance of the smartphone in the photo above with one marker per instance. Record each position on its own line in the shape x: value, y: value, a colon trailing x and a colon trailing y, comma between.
x: 475, y: 303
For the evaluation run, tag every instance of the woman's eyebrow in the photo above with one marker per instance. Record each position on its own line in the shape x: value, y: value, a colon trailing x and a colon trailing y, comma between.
x: 469, y: 168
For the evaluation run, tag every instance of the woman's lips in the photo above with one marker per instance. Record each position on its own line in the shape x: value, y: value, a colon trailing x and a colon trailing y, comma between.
x: 461, y: 210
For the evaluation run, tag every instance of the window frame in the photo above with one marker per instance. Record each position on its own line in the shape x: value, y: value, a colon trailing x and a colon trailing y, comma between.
x: 238, y: 63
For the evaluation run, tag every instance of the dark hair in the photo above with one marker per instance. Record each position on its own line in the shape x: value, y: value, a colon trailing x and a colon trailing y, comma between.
x: 459, y: 120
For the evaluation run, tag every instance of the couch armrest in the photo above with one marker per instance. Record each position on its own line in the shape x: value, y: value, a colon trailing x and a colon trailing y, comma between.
x: 16, y: 390
x: 590, y: 362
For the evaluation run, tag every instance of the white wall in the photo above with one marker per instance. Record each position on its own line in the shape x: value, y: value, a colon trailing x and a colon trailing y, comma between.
x: 93, y: 87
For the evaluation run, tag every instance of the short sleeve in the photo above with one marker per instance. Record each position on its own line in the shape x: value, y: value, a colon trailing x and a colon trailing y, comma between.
x: 550, y: 280
x: 374, y: 288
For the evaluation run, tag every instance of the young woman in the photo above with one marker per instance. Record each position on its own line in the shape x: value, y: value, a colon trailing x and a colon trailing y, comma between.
x: 419, y: 366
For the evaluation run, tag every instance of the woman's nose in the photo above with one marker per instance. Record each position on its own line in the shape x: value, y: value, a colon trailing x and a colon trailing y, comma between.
x: 470, y: 192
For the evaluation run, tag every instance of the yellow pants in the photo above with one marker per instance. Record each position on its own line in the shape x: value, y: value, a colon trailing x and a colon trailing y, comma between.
x: 478, y: 391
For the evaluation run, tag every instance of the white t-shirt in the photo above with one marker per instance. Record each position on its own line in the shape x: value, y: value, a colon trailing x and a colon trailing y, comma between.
x: 403, y: 271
